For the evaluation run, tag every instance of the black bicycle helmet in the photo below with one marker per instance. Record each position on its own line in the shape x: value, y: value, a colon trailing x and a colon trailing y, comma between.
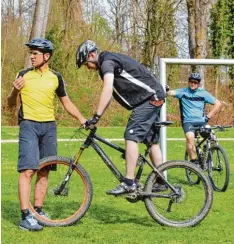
x: 41, y: 44
x: 83, y: 51
x: 195, y: 76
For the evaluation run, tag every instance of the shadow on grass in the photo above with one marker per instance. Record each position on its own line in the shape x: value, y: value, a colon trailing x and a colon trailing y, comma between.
x: 10, y: 212
x: 113, y: 215
x: 103, y: 213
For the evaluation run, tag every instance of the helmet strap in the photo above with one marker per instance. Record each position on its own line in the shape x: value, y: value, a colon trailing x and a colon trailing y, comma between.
x: 44, y: 61
x: 95, y: 61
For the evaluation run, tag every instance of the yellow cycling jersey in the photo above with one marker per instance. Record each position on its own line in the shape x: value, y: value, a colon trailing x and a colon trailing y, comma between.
x: 38, y: 93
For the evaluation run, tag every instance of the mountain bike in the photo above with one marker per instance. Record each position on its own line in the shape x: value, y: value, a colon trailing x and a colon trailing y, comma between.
x: 212, y: 158
x: 69, y: 193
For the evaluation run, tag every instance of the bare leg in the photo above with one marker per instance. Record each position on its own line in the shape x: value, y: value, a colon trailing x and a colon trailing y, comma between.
x: 156, y: 155
x: 41, y: 187
x: 190, y: 145
x: 156, y: 158
x: 132, y: 152
x: 24, y: 188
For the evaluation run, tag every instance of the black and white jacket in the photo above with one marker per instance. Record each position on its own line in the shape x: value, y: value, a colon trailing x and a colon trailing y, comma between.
x: 133, y: 82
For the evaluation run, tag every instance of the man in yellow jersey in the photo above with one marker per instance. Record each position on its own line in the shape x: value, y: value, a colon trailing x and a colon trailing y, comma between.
x: 36, y: 87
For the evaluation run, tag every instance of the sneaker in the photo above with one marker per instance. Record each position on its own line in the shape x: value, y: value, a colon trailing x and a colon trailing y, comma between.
x: 43, y: 214
x: 159, y: 187
x: 122, y: 188
x: 29, y: 223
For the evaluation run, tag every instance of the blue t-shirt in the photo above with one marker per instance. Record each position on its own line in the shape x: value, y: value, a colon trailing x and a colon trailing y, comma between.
x: 192, y: 104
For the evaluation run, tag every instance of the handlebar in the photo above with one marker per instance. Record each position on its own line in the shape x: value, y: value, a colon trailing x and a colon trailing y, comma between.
x: 208, y: 127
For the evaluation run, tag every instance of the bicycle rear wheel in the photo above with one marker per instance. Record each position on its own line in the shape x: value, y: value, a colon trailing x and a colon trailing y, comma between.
x: 189, y: 207
x: 68, y: 206
x: 192, y: 178
x: 218, y: 169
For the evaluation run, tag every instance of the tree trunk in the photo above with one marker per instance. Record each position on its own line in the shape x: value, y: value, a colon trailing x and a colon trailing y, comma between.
x: 39, y: 23
x: 198, y: 20
x: 46, y: 12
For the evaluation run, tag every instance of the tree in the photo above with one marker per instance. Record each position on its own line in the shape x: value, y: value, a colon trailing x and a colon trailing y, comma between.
x: 39, y: 23
x: 222, y: 31
x: 198, y: 21
x: 159, y: 31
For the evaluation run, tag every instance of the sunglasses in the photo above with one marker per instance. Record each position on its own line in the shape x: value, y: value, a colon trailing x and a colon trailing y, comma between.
x: 34, y: 53
x: 193, y: 82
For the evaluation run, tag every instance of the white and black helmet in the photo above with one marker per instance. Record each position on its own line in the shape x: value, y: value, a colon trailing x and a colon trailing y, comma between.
x: 195, y: 76
x: 83, y: 51
x: 44, y: 45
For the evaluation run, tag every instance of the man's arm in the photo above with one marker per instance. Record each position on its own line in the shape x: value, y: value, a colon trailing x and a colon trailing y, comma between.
x: 215, y: 108
x: 13, y: 96
x: 106, y: 94
x: 171, y: 93
x: 72, y: 109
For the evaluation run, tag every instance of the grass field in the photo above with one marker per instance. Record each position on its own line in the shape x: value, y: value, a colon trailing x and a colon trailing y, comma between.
x: 110, y: 219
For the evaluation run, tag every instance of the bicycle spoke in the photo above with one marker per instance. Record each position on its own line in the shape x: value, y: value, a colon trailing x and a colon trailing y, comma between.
x: 188, y: 206
x: 219, y: 169
x: 192, y: 178
x: 64, y: 203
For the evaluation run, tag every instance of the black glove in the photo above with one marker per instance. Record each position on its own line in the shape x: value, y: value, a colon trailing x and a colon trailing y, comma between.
x: 167, y: 88
x: 93, y: 121
x: 207, y: 119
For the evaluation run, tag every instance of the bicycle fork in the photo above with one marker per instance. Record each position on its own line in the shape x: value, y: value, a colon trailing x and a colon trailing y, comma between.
x: 62, y: 190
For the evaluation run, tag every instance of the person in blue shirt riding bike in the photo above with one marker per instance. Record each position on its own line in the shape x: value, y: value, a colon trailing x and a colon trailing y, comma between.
x: 136, y: 89
x: 192, y: 101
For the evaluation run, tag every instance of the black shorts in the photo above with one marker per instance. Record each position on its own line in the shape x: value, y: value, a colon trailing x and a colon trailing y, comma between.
x: 140, y: 124
x: 36, y: 141
x: 187, y: 127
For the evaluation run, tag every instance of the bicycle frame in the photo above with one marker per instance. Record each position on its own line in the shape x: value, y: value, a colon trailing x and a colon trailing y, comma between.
x: 141, y: 159
x: 208, y: 140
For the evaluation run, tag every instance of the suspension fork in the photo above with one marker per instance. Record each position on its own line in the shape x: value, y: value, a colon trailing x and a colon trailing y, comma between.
x: 62, y: 189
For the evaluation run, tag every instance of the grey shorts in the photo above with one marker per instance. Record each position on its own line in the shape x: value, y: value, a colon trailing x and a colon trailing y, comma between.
x: 36, y: 141
x: 140, y: 124
x: 187, y: 126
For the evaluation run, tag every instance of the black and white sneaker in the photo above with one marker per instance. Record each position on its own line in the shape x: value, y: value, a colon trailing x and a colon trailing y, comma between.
x: 122, y: 188
x: 43, y: 214
x: 29, y: 223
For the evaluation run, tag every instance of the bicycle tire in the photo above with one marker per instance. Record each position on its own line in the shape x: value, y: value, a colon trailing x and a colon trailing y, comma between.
x: 185, y: 212
x: 219, y: 169
x: 70, y: 206
x: 192, y: 179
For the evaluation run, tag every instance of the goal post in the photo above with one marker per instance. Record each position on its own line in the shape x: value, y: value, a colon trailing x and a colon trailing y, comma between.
x: 163, y: 78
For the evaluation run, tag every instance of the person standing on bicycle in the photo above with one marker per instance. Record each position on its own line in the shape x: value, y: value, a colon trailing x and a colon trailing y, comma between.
x: 135, y: 88
x: 36, y: 88
x: 192, y: 109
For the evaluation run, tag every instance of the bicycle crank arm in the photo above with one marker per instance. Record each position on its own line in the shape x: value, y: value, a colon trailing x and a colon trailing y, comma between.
x: 158, y: 195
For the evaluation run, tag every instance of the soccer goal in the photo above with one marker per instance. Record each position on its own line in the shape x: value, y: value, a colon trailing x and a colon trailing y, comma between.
x: 163, y: 78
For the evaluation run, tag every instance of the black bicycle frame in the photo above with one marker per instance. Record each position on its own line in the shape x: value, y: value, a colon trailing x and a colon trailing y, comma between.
x: 141, y: 159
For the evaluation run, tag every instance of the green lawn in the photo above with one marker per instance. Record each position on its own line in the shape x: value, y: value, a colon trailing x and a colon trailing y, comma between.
x: 110, y: 219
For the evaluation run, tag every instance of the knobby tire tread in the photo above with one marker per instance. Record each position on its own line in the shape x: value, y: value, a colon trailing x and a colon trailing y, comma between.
x: 196, y: 219
x: 78, y: 215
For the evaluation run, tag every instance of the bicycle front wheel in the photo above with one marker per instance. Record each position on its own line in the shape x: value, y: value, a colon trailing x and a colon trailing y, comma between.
x: 63, y: 205
x: 189, y: 206
x: 192, y: 178
x: 218, y: 169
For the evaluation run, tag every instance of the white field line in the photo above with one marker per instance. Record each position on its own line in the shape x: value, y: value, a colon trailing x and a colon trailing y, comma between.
x: 114, y: 139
